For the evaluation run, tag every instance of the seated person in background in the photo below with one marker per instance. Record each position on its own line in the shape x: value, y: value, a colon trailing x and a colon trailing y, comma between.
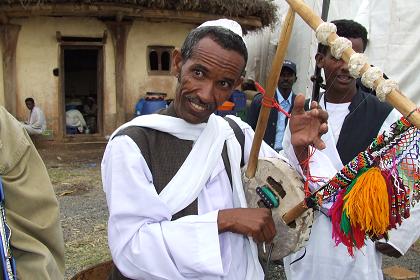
x: 74, y: 119
x: 36, y: 123
x: 32, y: 211
x: 90, y: 110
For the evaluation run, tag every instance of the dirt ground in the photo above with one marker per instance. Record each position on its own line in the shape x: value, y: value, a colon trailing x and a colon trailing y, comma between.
x: 74, y: 170
x: 75, y: 173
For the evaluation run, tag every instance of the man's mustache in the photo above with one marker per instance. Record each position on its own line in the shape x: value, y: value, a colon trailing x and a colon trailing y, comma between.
x: 196, y: 100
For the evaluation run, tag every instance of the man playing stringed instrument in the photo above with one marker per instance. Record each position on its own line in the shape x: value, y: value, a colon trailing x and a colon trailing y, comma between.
x: 355, y: 119
x: 177, y: 207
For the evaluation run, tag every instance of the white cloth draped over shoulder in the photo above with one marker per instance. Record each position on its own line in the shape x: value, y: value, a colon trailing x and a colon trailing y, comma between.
x: 189, y: 247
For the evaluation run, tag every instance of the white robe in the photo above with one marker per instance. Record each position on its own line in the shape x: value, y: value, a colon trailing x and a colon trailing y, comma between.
x: 75, y: 119
x: 36, y: 123
x: 323, y: 259
x: 146, y: 244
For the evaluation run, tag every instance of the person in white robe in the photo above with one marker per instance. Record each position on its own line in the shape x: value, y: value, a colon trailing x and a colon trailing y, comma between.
x: 75, y: 119
x: 218, y: 241
x: 36, y: 123
x: 352, y: 115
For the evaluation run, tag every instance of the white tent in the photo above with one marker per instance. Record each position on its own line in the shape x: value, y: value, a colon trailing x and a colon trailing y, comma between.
x: 393, y: 27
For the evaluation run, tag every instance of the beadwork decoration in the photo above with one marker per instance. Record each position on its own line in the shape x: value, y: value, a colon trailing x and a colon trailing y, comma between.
x: 384, y: 179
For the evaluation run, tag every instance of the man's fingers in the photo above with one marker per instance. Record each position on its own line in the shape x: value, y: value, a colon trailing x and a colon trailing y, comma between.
x: 323, y: 129
x: 269, y: 231
x: 323, y: 115
x: 314, y: 105
x: 298, y: 105
x: 319, y: 144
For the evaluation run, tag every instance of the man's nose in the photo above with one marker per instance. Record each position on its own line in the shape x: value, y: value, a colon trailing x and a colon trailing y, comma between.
x: 206, y: 93
x: 344, y: 66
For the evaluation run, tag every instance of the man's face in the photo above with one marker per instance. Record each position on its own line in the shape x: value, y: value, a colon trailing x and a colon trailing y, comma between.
x: 338, y: 79
x: 206, y: 80
x: 30, y: 105
x: 287, y: 79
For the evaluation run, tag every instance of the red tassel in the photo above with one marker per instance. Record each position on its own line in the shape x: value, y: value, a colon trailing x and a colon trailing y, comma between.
x: 335, y: 213
x: 391, y: 199
x: 359, y: 237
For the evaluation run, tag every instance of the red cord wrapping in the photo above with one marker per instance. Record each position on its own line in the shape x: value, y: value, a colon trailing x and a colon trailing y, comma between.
x: 270, y: 102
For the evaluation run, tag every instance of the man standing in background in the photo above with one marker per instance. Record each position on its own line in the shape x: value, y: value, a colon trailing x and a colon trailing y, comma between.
x: 285, y: 97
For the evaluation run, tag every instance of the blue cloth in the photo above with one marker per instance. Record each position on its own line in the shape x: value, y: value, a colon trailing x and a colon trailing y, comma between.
x: 286, y: 104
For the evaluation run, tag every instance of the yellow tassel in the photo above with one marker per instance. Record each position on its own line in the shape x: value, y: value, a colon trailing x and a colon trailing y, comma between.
x: 367, y: 203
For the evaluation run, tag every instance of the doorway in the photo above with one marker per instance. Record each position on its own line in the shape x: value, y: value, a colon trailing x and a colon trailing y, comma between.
x: 82, y: 90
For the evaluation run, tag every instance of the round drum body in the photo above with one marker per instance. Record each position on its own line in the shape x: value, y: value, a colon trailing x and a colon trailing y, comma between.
x: 290, y: 189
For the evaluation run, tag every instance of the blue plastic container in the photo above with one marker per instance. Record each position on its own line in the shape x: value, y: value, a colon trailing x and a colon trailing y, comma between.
x: 239, y: 98
x: 72, y: 130
x: 151, y: 106
x: 139, y: 107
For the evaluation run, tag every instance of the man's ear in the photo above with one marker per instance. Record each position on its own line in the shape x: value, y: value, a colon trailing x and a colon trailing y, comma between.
x: 319, y: 58
x: 176, y: 62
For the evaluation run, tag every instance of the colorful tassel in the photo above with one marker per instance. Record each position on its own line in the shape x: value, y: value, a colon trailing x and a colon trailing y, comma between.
x: 367, y: 202
x: 342, y: 230
x: 336, y: 214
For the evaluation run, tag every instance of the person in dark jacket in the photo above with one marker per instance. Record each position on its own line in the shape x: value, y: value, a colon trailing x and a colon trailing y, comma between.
x: 285, y: 97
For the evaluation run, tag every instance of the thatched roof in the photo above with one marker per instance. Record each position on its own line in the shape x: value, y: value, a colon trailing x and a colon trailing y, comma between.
x: 252, y: 14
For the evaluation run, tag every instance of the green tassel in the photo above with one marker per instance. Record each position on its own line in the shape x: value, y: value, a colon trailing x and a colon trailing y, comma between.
x: 345, y: 225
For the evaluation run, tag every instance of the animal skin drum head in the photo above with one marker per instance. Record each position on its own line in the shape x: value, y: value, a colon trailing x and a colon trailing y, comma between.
x: 289, y: 186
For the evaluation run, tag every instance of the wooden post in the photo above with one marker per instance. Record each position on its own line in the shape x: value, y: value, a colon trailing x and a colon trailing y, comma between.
x: 119, y: 32
x: 8, y: 38
x: 273, y: 78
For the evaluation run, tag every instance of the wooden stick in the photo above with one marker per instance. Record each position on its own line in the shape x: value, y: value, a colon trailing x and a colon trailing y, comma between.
x: 273, y: 78
x: 399, y: 101
x: 295, y: 212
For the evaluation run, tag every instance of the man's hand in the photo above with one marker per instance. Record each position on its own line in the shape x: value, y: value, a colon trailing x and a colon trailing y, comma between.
x: 255, y: 222
x: 306, y: 128
x: 387, y: 249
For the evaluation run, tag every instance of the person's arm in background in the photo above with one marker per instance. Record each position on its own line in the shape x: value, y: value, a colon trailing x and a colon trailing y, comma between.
x: 31, y: 205
x: 81, y: 118
x: 401, y: 238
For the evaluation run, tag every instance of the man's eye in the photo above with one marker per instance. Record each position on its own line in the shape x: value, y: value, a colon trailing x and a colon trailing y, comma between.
x: 198, y: 73
x: 225, y: 84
